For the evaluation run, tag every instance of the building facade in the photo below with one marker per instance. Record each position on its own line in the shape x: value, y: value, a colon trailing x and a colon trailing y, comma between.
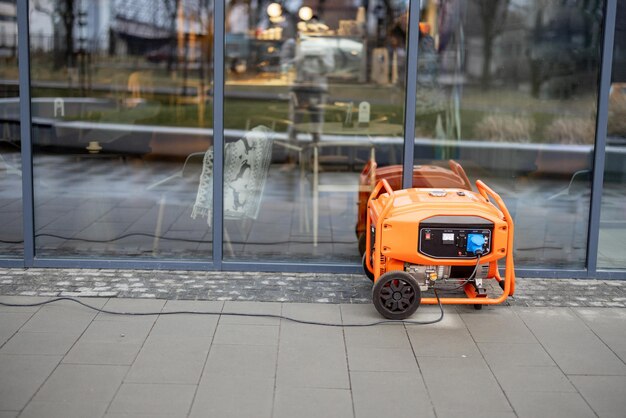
x: 245, y: 134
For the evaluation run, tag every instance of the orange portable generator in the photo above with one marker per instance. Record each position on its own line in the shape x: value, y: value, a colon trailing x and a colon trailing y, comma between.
x: 424, y: 239
x: 423, y: 176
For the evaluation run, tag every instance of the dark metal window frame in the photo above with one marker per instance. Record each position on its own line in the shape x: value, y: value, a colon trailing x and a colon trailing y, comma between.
x: 218, y: 263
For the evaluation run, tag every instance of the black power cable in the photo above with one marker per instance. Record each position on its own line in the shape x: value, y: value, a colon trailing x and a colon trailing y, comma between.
x: 299, y: 321
x: 166, y: 238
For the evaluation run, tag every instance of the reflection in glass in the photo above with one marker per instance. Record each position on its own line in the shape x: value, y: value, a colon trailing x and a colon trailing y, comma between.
x: 508, y: 89
x: 612, y: 244
x: 122, y: 117
x: 314, y: 97
x: 11, y: 237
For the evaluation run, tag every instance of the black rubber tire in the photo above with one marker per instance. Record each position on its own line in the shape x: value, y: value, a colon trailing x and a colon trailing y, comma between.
x: 368, y: 273
x: 362, y: 244
x: 501, y: 284
x: 478, y: 306
x: 396, y: 295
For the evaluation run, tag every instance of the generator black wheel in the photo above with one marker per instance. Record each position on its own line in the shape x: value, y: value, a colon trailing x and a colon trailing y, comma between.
x: 396, y: 295
x: 501, y: 284
x: 478, y: 306
x: 368, y: 273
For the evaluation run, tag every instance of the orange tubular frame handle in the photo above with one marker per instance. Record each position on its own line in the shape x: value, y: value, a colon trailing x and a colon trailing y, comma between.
x: 382, y: 184
x: 509, y: 277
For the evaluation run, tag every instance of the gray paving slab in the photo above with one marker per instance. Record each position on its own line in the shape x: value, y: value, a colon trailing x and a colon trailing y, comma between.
x: 10, y: 323
x: 392, y: 336
x: 154, y: 400
x: 66, y: 318
x: 115, y: 341
x: 225, y: 396
x: 90, y: 383
x: 358, y: 313
x: 273, y: 308
x: 39, y: 343
x: 397, y: 394
x: 294, y: 334
x: 549, y: 404
x: 497, y: 324
x: 605, y: 394
x: 513, y: 354
x: 119, y: 330
x: 8, y: 414
x: 185, y: 326
x: 313, y: 312
x: 242, y: 360
x: 476, y: 412
x: 569, y: 341
x: 448, y: 338
x: 21, y: 376
x: 323, y: 366
x: 462, y: 383
x: 102, y: 353
x: 163, y: 359
x: 76, y: 408
x: 532, y: 378
x: 247, y: 334
x: 312, y: 403
x: 609, y: 325
x: 381, y: 359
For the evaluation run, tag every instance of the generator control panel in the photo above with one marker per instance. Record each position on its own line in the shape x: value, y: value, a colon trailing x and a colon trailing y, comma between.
x: 455, y: 237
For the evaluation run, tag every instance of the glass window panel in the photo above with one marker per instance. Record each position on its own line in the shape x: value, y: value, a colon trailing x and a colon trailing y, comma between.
x: 612, y: 244
x: 508, y: 89
x: 122, y: 118
x: 11, y: 237
x: 314, y: 96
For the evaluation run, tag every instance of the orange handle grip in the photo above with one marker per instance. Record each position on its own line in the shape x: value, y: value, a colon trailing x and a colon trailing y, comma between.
x: 383, y: 184
x: 488, y: 192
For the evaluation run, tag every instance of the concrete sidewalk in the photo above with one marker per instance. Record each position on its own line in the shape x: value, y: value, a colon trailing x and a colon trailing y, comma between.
x: 64, y: 360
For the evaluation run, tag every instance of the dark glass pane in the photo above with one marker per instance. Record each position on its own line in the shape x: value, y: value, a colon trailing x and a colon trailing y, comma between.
x: 612, y: 245
x: 11, y: 237
x: 314, y: 96
x: 508, y: 89
x: 122, y: 121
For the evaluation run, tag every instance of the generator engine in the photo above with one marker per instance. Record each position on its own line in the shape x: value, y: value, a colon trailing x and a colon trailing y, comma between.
x: 422, y: 239
x: 429, y: 276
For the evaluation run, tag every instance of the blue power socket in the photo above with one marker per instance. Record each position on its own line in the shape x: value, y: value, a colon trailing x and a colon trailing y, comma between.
x: 475, y: 242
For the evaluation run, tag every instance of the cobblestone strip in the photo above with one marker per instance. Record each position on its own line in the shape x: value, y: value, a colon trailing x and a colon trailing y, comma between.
x: 275, y: 287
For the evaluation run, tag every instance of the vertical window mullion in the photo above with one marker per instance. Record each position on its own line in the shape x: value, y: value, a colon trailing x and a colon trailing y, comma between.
x: 218, y: 132
x: 601, y: 131
x: 411, y: 93
x: 25, y: 132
